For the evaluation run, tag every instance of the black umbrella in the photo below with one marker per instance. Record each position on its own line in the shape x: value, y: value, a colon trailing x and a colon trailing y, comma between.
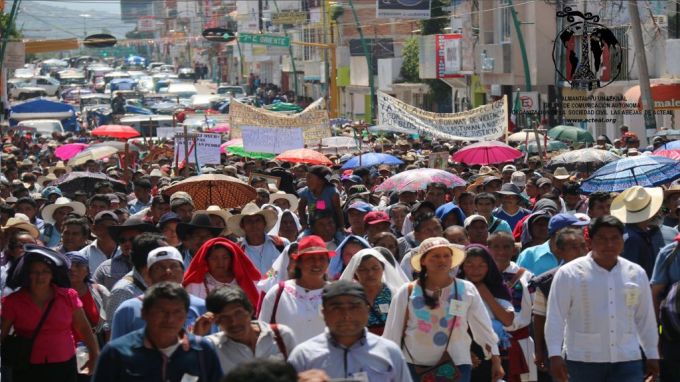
x: 85, y: 181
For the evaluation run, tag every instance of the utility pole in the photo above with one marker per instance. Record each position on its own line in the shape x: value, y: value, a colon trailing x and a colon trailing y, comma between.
x: 369, y: 60
x: 643, y: 71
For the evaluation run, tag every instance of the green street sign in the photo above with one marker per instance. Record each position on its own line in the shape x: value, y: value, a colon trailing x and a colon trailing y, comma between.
x: 263, y: 39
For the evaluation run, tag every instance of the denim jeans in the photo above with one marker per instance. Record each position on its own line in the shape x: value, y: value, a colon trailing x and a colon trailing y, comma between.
x: 631, y: 371
x: 464, y: 370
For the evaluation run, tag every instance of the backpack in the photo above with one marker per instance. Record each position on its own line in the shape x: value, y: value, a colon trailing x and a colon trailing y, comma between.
x: 669, y: 309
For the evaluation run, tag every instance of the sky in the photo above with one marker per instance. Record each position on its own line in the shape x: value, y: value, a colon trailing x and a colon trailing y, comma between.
x: 110, y: 6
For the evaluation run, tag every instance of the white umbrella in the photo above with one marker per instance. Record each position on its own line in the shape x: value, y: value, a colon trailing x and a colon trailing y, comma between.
x: 338, y: 145
x: 521, y: 137
x: 95, y: 153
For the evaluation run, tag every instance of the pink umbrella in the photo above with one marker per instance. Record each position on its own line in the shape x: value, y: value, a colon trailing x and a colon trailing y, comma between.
x: 70, y: 150
x: 672, y: 154
x: 220, y: 128
x: 233, y: 142
x: 487, y: 152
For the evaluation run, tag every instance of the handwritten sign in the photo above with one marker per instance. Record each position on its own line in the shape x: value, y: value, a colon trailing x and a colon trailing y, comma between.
x: 313, y: 121
x: 486, y: 122
x: 273, y: 140
x: 206, y: 149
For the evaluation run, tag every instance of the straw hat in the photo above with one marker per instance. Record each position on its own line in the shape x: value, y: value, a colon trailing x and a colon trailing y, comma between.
x: 46, y: 178
x: 457, y: 252
x: 637, y: 204
x: 217, y: 211
x: 21, y: 222
x: 561, y: 173
x: 292, y: 199
x: 48, y: 211
x: 251, y: 209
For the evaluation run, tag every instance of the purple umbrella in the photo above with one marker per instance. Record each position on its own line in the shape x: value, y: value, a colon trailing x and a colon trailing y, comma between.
x: 418, y: 179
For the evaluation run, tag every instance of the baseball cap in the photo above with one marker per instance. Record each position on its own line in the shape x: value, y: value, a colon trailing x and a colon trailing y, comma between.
x: 343, y: 288
x: 164, y: 253
x: 166, y: 218
x: 490, y: 179
x: 560, y: 221
x: 519, y: 179
x: 105, y: 215
x: 361, y: 207
x: 376, y: 217
x: 543, y: 181
x: 473, y: 218
x: 509, y: 168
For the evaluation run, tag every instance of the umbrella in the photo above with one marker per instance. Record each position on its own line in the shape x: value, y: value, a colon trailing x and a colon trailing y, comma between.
x: 673, y: 145
x: 85, y: 181
x: 96, y: 153
x: 214, y: 189
x: 487, y: 152
x: 338, y: 145
x: 418, y: 179
x: 371, y: 159
x: 552, y: 146
x: 219, y: 128
x: 70, y: 150
x: 643, y: 170
x: 522, y: 136
x: 590, y: 156
x: 120, y: 146
x: 570, y: 134
x: 304, y: 156
x: 668, y: 133
x: 672, y: 154
x: 241, y: 152
x: 116, y: 131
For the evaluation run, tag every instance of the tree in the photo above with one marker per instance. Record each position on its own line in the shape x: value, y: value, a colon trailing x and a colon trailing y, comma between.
x: 6, y: 26
x: 409, y: 67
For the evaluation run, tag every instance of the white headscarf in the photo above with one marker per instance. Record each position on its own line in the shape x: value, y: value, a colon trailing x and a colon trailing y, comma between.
x: 275, y: 231
x: 392, y: 277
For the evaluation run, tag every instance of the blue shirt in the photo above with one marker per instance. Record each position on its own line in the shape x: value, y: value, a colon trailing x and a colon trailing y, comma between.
x: 132, y: 358
x: 512, y: 220
x: 128, y: 317
x: 666, y: 273
x: 641, y: 247
x: 538, y: 259
x: 137, y: 205
x: 500, y: 227
x: 378, y: 357
x: 263, y: 256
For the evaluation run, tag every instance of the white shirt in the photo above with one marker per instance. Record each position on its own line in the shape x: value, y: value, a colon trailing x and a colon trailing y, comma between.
x: 199, y: 289
x: 601, y: 315
x: 523, y: 317
x: 299, y: 309
x: 95, y: 256
x: 263, y: 256
x: 232, y: 353
x: 421, y: 336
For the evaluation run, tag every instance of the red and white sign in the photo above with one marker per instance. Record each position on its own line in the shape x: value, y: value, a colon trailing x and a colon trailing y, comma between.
x: 146, y: 24
x: 448, y: 55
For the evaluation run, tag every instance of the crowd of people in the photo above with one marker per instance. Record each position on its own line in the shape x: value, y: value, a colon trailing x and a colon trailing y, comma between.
x: 515, y: 275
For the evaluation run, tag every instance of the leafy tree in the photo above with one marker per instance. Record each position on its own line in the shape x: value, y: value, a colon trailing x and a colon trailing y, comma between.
x: 409, y: 67
x: 6, y: 26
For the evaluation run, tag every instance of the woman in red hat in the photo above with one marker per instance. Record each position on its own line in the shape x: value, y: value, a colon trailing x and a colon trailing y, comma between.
x: 219, y: 262
x: 296, y: 303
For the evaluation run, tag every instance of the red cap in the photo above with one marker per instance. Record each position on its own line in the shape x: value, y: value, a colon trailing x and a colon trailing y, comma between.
x: 312, y: 244
x: 375, y: 217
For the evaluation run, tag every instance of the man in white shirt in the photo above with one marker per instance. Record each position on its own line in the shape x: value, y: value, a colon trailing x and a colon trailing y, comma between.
x: 600, y: 308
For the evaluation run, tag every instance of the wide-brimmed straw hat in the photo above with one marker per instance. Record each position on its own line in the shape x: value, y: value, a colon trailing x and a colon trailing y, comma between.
x: 292, y: 199
x: 457, y: 252
x: 48, y: 211
x: 637, y: 204
x: 251, y: 209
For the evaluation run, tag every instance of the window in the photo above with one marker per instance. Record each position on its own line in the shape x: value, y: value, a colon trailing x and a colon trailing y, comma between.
x: 503, y: 22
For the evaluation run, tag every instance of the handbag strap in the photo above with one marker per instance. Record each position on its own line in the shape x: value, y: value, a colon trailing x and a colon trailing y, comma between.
x: 43, y: 318
x: 453, y: 324
x: 279, y: 340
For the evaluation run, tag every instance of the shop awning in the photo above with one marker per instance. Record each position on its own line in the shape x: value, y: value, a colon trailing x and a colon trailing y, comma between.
x: 666, y: 96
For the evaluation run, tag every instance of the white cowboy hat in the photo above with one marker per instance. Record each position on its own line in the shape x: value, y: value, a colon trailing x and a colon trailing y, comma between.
x: 46, y: 178
x: 217, y: 211
x: 251, y: 209
x: 48, y: 211
x: 457, y: 252
x: 561, y: 173
x: 292, y: 199
x: 637, y: 204
x: 21, y: 222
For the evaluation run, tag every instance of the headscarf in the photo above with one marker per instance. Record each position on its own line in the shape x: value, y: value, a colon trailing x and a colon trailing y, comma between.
x: 392, y: 277
x: 336, y: 266
x: 245, y: 273
x: 279, y: 270
x: 448, y: 208
x: 77, y: 258
x: 275, y: 231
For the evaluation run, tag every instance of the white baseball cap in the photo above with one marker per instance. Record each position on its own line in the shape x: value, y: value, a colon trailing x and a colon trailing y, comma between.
x: 164, y: 253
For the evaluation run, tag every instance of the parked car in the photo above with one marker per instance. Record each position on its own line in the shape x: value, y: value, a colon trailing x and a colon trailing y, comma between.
x: 235, y: 90
x: 186, y: 74
x: 41, y: 126
x: 23, y: 90
x: 48, y: 84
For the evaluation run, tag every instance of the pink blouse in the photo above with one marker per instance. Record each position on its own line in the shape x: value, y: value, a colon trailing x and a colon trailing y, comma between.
x: 55, y: 341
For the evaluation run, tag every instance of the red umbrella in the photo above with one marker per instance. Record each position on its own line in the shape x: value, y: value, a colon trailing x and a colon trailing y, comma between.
x: 672, y: 154
x: 487, y: 152
x: 304, y: 156
x: 116, y: 131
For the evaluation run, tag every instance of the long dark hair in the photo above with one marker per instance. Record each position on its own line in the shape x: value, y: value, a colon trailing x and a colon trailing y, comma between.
x: 430, y: 301
x: 493, y: 279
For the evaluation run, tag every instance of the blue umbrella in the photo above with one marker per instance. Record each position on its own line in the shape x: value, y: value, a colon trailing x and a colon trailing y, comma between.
x: 673, y: 145
x: 645, y: 170
x: 371, y: 159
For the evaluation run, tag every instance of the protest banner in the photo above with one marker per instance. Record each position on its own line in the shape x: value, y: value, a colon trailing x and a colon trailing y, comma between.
x: 203, y: 147
x: 271, y: 139
x: 486, y: 122
x: 313, y: 122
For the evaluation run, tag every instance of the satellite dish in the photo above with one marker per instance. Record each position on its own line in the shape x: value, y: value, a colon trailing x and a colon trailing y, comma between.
x: 101, y: 40
x: 218, y: 35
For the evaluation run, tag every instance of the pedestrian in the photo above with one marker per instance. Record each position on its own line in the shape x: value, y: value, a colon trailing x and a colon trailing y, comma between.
x: 163, y: 350
x: 346, y: 349
x: 600, y: 314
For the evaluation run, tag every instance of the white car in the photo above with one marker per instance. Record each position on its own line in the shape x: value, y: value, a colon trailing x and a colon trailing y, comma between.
x: 49, y: 84
x: 23, y: 90
x: 43, y: 127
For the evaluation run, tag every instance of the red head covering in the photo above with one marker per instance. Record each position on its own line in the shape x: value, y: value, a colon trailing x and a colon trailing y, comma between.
x: 244, y: 271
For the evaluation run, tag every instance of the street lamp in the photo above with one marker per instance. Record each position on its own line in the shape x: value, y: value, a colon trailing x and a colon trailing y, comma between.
x: 85, y: 16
